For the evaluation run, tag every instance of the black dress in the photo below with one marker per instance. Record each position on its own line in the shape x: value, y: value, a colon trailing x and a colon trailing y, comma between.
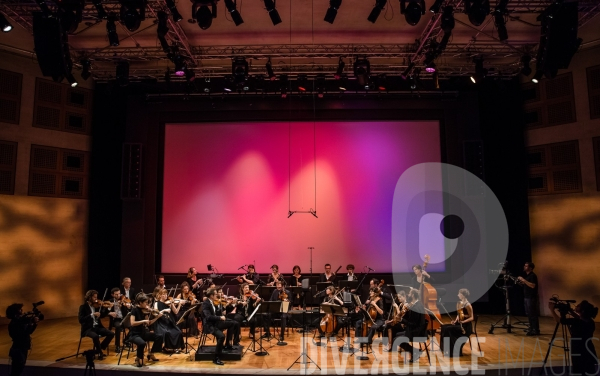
x: 297, y: 299
x: 450, y: 334
x: 166, y: 328
x: 140, y: 334
x: 191, y: 323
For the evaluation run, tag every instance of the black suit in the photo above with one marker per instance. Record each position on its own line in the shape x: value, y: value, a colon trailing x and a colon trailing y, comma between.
x: 284, y: 316
x: 92, y: 327
x: 213, y: 324
x: 323, y: 278
x: 116, y: 322
x: 415, y: 324
x: 132, y: 293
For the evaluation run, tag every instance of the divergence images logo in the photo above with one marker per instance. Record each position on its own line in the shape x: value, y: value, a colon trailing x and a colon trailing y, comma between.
x: 449, y: 213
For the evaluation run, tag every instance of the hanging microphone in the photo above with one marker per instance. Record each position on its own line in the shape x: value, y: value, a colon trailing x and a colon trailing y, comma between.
x: 372, y: 270
x: 242, y: 267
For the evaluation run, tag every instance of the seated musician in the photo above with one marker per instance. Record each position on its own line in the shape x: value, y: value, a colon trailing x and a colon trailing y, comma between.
x: 91, y: 326
x: 141, y: 319
x: 373, y: 303
x: 229, y: 309
x: 214, y: 323
x: 116, y: 312
x: 251, y: 278
x: 415, y: 324
x: 331, y: 298
x: 280, y: 294
x: 189, y: 299
x: 461, y: 326
x: 351, y: 276
x: 127, y: 290
x: 394, y: 325
x: 166, y: 326
x: 420, y: 277
x: 160, y: 282
x: 194, y: 282
x: 246, y: 305
x: 328, y: 276
x: 295, y: 281
x: 275, y: 276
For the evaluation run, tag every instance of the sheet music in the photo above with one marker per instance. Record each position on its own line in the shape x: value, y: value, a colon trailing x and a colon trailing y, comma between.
x: 285, y: 306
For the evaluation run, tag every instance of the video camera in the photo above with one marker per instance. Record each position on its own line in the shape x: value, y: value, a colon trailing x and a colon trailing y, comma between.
x: 563, y: 306
x: 35, y: 312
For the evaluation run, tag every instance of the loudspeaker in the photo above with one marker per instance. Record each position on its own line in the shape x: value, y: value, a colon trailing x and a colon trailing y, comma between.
x: 131, y: 172
x: 50, y: 45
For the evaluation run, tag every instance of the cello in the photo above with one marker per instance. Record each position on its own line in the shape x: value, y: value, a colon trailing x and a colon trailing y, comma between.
x: 429, y: 296
x: 372, y: 312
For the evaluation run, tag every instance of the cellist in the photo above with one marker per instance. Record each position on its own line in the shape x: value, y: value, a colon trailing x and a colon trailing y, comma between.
x: 331, y: 299
x: 374, y: 306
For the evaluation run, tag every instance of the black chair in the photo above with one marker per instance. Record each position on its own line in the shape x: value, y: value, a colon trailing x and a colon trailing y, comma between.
x: 475, y: 319
x: 126, y: 342
x: 79, y: 346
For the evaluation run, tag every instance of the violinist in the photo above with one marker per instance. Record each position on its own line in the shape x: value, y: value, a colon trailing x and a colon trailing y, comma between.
x: 415, y: 324
x: 193, y: 280
x: 142, y: 316
x: 374, y: 306
x: 90, y: 313
x: 461, y: 326
x: 251, y: 278
x: 274, y: 276
x: 165, y: 326
x: 351, y: 276
x: 331, y: 298
x: 189, y: 298
x: 228, y: 307
x: 394, y: 324
x: 328, y: 276
x: 298, y: 300
x: 214, y: 323
x: 247, y: 304
x: 280, y: 294
x: 116, y: 312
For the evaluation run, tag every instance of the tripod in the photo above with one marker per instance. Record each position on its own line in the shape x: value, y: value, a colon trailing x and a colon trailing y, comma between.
x: 506, y: 322
x: 303, y: 355
x: 565, y: 336
x: 89, y: 357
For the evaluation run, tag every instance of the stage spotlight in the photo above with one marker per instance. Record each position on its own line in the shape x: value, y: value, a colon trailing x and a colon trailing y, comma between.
x: 100, y: 9
x: 447, y: 22
x: 500, y: 23
x: 86, y: 66
x: 174, y: 12
x: 162, y: 30
x: 235, y: 15
x: 480, y: 71
x: 407, y: 71
x: 71, y: 79
x: 340, y: 69
x: 4, y: 24
x: 122, y: 73
x: 379, y: 5
x: 132, y: 14
x: 270, y: 5
x: 190, y: 76
x: 537, y: 77
x: 111, y: 30
x: 202, y: 14
x: 270, y: 72
x: 430, y: 67
x: 302, y: 83
x: 362, y: 70
x: 334, y: 5
x: 526, y: 69
x: 477, y: 10
x: 283, y: 85
x: 320, y: 85
x: 437, y: 5
x: 413, y: 11
x: 239, y: 69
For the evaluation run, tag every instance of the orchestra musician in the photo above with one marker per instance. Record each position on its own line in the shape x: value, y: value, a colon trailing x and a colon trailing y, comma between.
x: 160, y: 282
x: 376, y: 302
x: 251, y: 278
x: 275, y: 276
x: 194, y: 282
x: 280, y: 294
x: 228, y: 307
x: 214, y: 323
x: 328, y: 276
x: 420, y: 277
x: 90, y: 313
x: 142, y: 316
x: 189, y: 299
x: 298, y: 299
x: 116, y: 312
x: 165, y: 326
x: 127, y: 290
x: 394, y: 324
x: 246, y: 305
x: 331, y: 298
x: 461, y: 326
x: 351, y: 276
x: 414, y: 323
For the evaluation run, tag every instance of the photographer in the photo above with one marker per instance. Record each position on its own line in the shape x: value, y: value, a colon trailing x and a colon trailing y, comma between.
x: 20, y: 329
x: 583, y: 353
x: 530, y: 292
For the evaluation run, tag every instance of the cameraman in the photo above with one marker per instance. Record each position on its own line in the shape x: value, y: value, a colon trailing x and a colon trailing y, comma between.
x: 583, y: 353
x: 19, y: 329
x: 530, y: 292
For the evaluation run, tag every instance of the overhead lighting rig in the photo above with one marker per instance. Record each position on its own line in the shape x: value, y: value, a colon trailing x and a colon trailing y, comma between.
x: 202, y: 14
x: 174, y: 12
x: 477, y: 10
x: 162, y: 30
x: 132, y: 13
x: 379, y: 5
x: 334, y: 5
x: 231, y: 6
x: 412, y: 10
x: 273, y: 13
x: 239, y: 70
x: 4, y: 24
x: 500, y: 14
x: 70, y: 14
x: 362, y: 70
x: 100, y: 9
x: 111, y: 30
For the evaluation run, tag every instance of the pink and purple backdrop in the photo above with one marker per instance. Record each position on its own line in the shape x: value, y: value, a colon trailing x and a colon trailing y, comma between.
x: 228, y: 186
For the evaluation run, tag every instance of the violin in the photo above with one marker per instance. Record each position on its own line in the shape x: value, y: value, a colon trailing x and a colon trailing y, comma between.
x: 125, y: 301
x: 170, y: 300
x: 283, y: 295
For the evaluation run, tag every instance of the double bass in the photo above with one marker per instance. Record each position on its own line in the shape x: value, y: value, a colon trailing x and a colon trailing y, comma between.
x: 429, y: 296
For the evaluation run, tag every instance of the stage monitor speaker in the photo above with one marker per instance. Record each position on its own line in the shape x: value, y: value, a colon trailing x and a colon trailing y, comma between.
x: 131, y: 173
x: 49, y: 41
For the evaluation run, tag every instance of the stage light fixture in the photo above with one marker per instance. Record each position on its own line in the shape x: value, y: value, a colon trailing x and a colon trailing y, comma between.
x: 477, y: 10
x: 379, y: 5
x: 202, y: 14
x: 302, y: 83
x: 480, y: 71
x: 430, y: 67
x: 70, y: 14
x: 162, y: 30
x: 174, y: 12
x: 340, y: 69
x: 447, y: 22
x: 72, y: 81
x: 537, y: 77
x: 4, y: 24
x: 270, y: 72
x: 437, y: 5
x: 111, y: 31
x: 500, y: 19
x: 273, y: 13
x: 320, y: 84
x: 334, y: 5
x: 132, y: 13
x: 407, y: 71
x: 44, y: 7
x: 122, y: 73
x: 231, y: 6
x: 86, y: 67
x: 239, y: 69
x: 525, y: 61
x: 283, y: 85
x: 190, y: 76
x: 362, y: 70
x: 180, y: 65
x: 413, y: 11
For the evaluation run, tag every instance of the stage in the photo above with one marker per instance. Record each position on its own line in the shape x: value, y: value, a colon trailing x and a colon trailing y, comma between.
x: 503, y: 353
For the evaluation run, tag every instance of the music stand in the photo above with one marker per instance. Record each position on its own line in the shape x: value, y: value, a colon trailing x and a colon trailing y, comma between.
x: 303, y: 354
x: 183, y: 319
x: 349, y: 285
x: 261, y: 350
x: 265, y: 291
x: 271, y: 307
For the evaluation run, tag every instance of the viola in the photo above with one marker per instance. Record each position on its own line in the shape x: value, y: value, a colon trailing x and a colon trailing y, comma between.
x: 283, y: 295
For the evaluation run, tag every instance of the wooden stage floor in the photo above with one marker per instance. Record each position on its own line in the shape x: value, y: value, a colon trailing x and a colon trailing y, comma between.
x: 504, y: 353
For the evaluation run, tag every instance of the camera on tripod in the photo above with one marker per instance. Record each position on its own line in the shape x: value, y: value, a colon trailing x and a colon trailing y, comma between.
x: 35, y: 312
x: 563, y: 306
